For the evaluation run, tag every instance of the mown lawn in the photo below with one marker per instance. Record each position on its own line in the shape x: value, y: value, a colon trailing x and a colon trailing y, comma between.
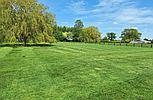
x: 76, y: 71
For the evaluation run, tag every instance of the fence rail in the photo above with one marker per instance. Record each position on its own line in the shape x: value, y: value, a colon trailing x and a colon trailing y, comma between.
x: 129, y: 44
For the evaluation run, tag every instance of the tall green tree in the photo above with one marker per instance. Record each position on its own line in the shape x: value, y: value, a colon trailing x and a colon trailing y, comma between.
x: 90, y: 34
x: 26, y: 20
x: 130, y: 34
x: 111, y: 36
x: 77, y: 30
x: 78, y: 24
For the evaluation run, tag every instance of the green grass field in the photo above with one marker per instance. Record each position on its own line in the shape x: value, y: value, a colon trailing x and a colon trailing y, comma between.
x: 76, y: 71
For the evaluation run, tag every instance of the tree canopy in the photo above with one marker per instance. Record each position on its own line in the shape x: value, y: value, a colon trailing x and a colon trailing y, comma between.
x: 90, y: 34
x: 130, y: 34
x: 111, y: 36
x: 25, y: 21
x: 78, y: 24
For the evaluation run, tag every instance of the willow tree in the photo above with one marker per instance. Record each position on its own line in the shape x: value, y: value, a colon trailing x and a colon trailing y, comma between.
x: 6, y: 21
x: 26, y: 20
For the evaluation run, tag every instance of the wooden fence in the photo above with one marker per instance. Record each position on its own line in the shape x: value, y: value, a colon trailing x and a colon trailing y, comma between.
x: 129, y: 44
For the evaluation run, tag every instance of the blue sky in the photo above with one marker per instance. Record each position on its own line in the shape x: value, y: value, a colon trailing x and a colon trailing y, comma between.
x: 107, y: 15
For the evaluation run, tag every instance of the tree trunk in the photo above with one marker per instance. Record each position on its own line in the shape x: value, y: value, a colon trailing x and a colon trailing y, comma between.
x: 25, y: 41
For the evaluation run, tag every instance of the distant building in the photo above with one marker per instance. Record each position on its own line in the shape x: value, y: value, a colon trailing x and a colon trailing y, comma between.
x: 139, y: 41
x: 147, y: 41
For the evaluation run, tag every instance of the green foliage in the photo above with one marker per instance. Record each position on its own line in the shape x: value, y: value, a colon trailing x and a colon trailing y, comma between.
x: 76, y: 32
x: 68, y: 36
x: 60, y: 33
x: 39, y: 38
x: 90, y: 34
x: 25, y: 20
x: 10, y: 37
x: 105, y: 39
x: 130, y: 34
x: 111, y: 36
x: 59, y: 36
x: 48, y: 38
x: 78, y: 24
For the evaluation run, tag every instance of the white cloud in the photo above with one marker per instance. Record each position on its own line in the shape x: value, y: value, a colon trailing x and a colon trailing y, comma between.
x: 134, y: 27
x: 117, y: 11
x: 104, y: 6
x: 104, y: 3
x: 115, y: 23
x: 136, y: 16
x: 78, y: 7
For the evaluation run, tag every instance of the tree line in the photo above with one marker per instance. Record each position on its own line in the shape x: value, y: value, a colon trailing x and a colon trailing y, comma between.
x: 127, y: 35
x: 28, y: 21
x: 77, y: 33
x: 92, y: 34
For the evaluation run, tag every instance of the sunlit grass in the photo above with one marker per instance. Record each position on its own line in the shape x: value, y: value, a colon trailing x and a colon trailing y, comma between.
x: 76, y: 71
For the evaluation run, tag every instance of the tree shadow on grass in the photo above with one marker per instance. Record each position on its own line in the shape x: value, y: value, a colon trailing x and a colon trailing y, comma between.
x: 27, y: 45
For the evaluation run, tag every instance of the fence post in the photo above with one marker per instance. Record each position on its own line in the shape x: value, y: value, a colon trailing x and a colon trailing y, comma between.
x: 151, y: 45
x: 114, y: 43
x: 141, y: 45
x: 126, y: 44
x: 134, y: 44
x: 120, y: 44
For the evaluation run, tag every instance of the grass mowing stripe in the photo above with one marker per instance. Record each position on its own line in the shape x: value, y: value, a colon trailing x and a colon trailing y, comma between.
x: 4, y: 51
x: 63, y: 72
